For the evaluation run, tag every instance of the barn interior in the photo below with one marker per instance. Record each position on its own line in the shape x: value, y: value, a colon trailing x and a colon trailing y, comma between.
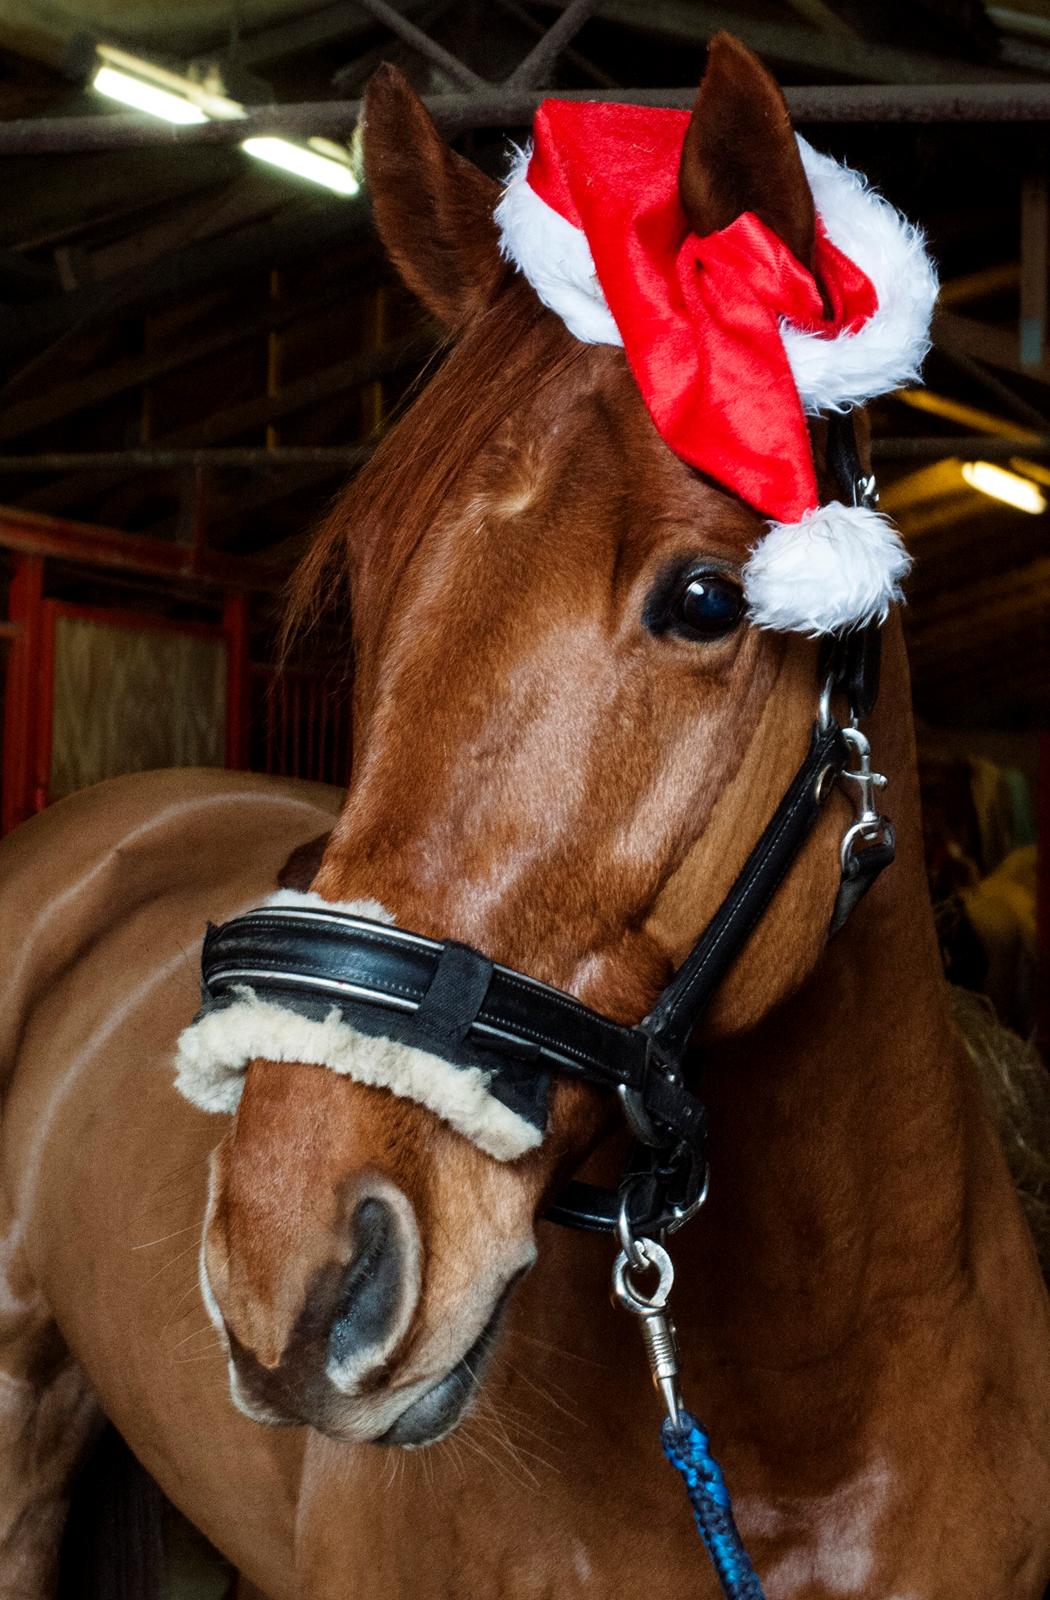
x: 200, y: 341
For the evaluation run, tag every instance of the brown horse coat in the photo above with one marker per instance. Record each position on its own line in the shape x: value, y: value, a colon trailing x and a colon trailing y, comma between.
x: 102, y: 902
x: 864, y: 1326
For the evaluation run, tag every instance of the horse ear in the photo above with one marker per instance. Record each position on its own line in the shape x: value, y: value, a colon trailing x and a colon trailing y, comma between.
x: 433, y: 209
x: 740, y: 152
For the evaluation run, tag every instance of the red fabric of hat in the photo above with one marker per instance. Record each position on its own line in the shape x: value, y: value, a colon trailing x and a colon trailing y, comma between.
x: 700, y: 317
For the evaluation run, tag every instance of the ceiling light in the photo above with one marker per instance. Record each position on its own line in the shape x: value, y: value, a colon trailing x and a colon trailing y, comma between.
x: 1009, y: 487
x: 159, y: 92
x: 304, y: 163
x: 146, y: 96
x: 200, y: 98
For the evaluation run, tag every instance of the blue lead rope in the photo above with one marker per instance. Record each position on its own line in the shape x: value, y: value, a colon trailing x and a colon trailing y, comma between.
x: 688, y: 1448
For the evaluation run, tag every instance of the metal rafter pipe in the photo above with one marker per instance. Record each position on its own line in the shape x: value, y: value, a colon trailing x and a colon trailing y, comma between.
x: 499, y: 108
x: 338, y: 457
x: 346, y: 457
x: 536, y: 65
x: 971, y: 447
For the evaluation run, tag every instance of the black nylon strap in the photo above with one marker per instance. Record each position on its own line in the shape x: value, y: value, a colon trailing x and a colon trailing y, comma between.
x: 454, y: 996
x: 672, y: 1020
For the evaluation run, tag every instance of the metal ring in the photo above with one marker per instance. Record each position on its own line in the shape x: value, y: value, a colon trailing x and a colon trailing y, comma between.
x: 638, y: 1119
x: 655, y: 1256
x: 824, y: 704
x: 629, y: 1245
x: 876, y: 830
x: 826, y: 779
x: 683, y: 1214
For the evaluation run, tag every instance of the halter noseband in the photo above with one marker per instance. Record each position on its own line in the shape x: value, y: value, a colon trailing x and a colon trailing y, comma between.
x: 512, y: 1032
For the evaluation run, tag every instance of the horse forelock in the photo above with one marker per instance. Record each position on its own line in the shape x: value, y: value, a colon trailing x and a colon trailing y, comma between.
x: 509, y: 353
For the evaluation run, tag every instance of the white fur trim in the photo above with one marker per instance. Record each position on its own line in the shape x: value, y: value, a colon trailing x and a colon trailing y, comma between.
x: 554, y: 256
x: 888, y: 351
x: 356, y: 908
x: 840, y: 566
x: 213, y: 1055
x: 831, y: 374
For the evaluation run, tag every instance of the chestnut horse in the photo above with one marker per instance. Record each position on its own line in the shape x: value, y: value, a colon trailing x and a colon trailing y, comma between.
x: 544, y: 775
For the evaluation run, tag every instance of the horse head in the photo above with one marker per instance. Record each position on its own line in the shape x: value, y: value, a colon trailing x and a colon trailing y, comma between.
x: 568, y: 735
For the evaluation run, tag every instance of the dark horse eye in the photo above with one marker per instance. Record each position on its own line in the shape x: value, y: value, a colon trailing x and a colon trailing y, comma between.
x: 707, y: 607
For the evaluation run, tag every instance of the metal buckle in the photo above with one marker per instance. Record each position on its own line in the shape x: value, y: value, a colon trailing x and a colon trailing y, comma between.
x: 682, y: 1214
x: 679, y: 1188
x: 632, y: 1101
x: 824, y: 703
x: 865, y: 492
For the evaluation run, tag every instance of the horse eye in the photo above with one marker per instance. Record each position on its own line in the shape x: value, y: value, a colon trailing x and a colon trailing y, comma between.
x: 708, y: 607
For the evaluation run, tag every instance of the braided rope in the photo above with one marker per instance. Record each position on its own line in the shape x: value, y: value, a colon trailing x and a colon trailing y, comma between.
x: 688, y: 1449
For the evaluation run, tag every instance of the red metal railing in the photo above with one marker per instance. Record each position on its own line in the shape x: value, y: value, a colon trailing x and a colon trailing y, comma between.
x: 299, y: 724
x: 293, y: 724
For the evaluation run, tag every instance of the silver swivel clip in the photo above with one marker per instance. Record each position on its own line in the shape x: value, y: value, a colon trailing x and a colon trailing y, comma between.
x: 638, y: 1257
x: 870, y: 825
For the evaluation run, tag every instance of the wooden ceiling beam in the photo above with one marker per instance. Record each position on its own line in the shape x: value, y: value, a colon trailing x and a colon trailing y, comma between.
x: 938, y: 405
x: 800, y: 46
x: 1007, y: 654
x: 977, y: 638
x: 998, y: 346
x: 300, y: 232
x: 978, y: 684
x: 242, y: 202
x: 980, y: 285
x: 89, y: 545
x: 940, y: 478
x: 994, y: 385
x: 308, y: 32
x: 63, y: 400
x: 263, y: 409
x: 991, y: 597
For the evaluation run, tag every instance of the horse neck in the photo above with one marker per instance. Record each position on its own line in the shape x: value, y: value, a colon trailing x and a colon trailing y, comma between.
x: 843, y: 1127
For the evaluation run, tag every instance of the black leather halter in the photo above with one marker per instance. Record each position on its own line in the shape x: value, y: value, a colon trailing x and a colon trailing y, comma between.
x: 453, y: 1002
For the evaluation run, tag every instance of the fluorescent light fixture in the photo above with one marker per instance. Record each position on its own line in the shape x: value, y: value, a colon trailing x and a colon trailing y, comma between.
x: 160, y: 92
x: 166, y: 94
x: 145, y: 96
x: 1009, y: 487
x: 304, y: 163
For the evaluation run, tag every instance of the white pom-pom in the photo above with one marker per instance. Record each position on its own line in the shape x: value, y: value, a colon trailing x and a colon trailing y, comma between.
x: 841, y: 566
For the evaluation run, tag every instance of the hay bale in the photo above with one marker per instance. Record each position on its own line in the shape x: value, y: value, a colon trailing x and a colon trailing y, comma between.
x: 1016, y: 1087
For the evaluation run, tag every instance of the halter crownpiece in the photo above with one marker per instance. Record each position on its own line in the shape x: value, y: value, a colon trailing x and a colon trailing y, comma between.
x: 733, y: 342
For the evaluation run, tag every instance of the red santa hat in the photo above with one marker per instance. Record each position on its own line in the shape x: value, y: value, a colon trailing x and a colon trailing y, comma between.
x: 733, y: 342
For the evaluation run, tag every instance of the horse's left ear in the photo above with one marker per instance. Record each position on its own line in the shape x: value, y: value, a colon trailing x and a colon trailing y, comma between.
x: 433, y: 209
x: 740, y: 152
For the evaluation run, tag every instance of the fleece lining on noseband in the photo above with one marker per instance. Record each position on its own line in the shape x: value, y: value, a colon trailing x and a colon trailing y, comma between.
x: 503, y: 1113
x: 592, y: 218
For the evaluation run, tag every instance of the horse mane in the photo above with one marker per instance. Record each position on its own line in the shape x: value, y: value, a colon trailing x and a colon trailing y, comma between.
x: 510, y: 351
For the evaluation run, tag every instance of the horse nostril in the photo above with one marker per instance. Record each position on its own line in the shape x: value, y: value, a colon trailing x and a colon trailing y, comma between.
x: 367, y: 1303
